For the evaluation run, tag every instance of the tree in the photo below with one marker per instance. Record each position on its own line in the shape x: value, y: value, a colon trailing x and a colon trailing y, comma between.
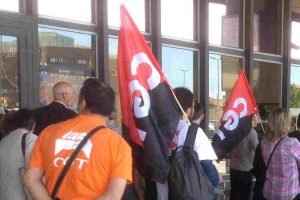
x: 295, y: 96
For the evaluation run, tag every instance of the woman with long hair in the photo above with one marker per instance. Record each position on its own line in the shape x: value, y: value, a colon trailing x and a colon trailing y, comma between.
x: 282, y: 177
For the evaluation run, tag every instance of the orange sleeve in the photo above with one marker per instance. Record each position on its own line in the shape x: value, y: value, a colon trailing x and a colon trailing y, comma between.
x: 36, y: 159
x: 122, y: 163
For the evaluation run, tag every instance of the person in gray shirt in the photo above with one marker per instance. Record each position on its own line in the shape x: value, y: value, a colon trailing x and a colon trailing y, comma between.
x: 14, y: 155
x: 241, y: 162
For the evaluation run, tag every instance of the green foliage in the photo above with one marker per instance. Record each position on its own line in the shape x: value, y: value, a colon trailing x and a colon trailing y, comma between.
x: 295, y: 97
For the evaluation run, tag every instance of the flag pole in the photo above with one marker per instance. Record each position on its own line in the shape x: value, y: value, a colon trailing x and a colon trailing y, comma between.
x: 180, y: 106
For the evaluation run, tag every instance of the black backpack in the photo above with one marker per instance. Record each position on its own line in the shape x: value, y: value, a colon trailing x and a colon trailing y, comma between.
x: 187, y: 180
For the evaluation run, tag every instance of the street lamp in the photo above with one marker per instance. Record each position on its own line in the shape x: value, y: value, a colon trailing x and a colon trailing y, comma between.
x: 184, y: 71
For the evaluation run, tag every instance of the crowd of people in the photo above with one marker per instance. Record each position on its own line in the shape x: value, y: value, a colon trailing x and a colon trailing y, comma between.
x: 36, y: 146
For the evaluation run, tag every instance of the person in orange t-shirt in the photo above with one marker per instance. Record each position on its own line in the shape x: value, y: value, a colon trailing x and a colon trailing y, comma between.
x: 102, y: 168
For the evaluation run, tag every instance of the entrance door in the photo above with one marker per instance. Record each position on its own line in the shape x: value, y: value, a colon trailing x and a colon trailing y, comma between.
x: 13, y: 69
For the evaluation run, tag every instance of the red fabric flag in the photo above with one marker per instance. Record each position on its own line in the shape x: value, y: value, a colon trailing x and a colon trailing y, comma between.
x: 236, y: 121
x: 150, y: 114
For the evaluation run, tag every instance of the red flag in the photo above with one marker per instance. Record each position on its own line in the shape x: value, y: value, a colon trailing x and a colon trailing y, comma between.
x: 150, y: 114
x: 236, y: 121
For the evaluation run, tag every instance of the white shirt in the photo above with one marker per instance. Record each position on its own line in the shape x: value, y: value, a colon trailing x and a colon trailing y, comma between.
x: 202, y: 145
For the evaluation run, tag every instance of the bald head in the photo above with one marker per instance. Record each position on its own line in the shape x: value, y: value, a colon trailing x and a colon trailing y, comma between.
x: 64, y: 92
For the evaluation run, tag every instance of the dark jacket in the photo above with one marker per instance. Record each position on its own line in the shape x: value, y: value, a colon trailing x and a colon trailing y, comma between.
x: 51, y: 114
x: 295, y: 134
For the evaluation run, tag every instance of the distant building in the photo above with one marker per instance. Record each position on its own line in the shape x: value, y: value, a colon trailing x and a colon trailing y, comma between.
x: 52, y: 39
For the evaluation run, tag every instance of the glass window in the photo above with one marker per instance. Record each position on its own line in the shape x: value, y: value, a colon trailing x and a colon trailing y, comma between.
x: 79, y: 10
x: 10, y: 5
x: 295, y: 47
x: 177, y: 18
x: 178, y: 67
x: 223, y: 72
x: 9, y: 73
x: 267, y: 84
x: 113, y: 75
x: 64, y: 56
x: 225, y: 24
x: 295, y: 93
x: 136, y: 8
x: 267, y: 26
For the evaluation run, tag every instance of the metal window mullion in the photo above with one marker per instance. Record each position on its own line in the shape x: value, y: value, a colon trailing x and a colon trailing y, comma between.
x: 155, y: 24
x: 248, y: 39
x: 102, y: 40
x: 203, y: 59
x: 286, y: 54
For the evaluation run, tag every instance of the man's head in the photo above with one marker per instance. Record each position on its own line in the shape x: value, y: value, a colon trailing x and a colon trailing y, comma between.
x: 96, y: 97
x: 186, y: 100
x: 198, y: 113
x: 64, y: 92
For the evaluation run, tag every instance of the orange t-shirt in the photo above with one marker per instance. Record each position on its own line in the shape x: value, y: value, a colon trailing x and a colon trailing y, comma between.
x: 105, y: 156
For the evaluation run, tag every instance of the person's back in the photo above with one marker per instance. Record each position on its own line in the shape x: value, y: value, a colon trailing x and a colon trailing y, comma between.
x: 202, y: 145
x: 104, y: 164
x: 282, y: 176
x: 12, y: 159
x: 58, y: 110
x: 241, y: 157
x: 92, y: 168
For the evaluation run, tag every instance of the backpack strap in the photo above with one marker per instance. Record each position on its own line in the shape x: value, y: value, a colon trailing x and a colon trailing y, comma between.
x: 191, y: 135
x: 272, y: 153
x: 23, y: 143
x: 71, y: 159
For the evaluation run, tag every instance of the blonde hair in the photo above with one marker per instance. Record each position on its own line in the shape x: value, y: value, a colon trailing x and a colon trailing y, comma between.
x: 279, y: 122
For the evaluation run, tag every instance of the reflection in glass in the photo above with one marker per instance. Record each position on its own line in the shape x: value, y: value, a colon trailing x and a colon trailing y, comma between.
x: 178, y: 67
x: 136, y: 8
x: 223, y: 72
x: 267, y: 94
x: 113, y: 76
x: 9, y: 73
x: 175, y: 14
x: 267, y: 26
x: 10, y: 5
x: 64, y: 56
x: 295, y: 47
x: 79, y: 10
x: 224, y: 23
x: 295, y: 94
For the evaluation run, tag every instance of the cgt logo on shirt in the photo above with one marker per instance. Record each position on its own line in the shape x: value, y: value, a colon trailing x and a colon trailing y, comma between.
x: 69, y: 142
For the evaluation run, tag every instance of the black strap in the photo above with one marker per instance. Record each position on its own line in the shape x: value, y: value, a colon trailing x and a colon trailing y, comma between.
x: 71, y: 159
x: 272, y: 153
x: 191, y: 135
x: 23, y: 143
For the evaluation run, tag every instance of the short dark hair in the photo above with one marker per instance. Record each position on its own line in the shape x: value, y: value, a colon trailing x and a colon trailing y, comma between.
x: 98, y: 95
x: 198, y: 111
x: 23, y: 118
x: 185, y: 97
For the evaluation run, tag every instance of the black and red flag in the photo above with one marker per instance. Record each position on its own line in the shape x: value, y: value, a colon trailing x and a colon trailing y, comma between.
x: 150, y: 114
x: 236, y: 121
